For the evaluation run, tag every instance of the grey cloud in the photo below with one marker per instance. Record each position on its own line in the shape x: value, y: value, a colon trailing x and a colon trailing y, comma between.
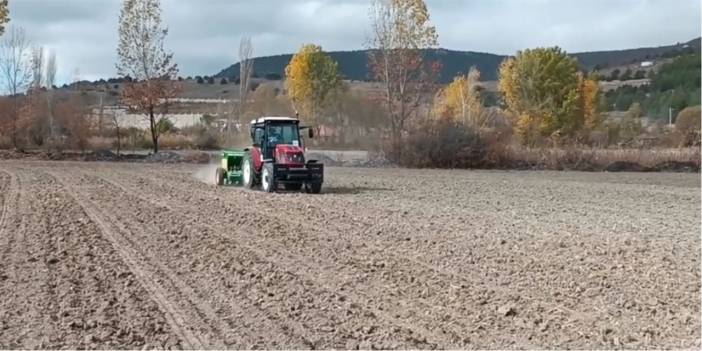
x: 204, y: 34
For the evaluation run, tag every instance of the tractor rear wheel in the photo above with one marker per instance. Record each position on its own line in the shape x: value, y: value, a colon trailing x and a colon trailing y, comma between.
x: 219, y: 176
x: 267, y: 179
x: 313, y: 188
x: 293, y: 186
x: 249, y: 173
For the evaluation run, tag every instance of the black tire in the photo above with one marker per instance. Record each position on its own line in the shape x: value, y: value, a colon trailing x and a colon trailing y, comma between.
x: 247, y: 165
x: 313, y: 188
x: 219, y: 176
x: 293, y: 186
x: 268, y: 183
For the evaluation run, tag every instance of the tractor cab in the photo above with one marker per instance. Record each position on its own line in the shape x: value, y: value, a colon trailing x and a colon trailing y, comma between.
x: 279, y: 139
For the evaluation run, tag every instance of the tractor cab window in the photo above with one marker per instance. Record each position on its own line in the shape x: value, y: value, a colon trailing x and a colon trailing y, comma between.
x: 258, y: 136
x: 283, y: 134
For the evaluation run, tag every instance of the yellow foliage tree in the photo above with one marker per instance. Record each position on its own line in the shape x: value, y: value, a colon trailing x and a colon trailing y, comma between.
x: 4, y: 15
x: 311, y: 78
x: 589, y: 91
x: 543, y: 86
x: 460, y: 100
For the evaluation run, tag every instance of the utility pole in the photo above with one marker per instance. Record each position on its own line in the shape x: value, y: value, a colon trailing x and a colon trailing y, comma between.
x: 670, y: 115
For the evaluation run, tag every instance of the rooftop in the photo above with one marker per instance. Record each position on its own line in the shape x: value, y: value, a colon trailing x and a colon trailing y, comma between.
x: 264, y: 119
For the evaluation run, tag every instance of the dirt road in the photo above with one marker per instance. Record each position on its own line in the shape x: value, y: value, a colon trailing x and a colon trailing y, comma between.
x: 130, y: 255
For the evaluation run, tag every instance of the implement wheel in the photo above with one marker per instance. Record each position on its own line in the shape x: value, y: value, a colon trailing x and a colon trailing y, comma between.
x: 219, y: 176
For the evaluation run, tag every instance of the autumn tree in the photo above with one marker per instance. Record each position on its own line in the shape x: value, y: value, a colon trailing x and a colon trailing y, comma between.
x: 461, y: 101
x: 311, y: 79
x: 400, y: 29
x: 16, y: 71
x: 545, y: 91
x: 141, y: 56
x: 589, y: 94
x: 4, y: 15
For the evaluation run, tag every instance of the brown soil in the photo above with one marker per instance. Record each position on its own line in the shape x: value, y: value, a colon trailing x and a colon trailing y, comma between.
x: 100, y: 255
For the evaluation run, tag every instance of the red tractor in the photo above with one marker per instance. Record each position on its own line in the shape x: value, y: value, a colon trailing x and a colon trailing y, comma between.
x: 277, y: 157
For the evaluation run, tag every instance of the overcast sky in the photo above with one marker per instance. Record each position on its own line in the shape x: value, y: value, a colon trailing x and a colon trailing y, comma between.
x: 204, y: 34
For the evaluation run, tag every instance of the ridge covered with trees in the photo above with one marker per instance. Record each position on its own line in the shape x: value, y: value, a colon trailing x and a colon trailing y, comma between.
x: 354, y: 64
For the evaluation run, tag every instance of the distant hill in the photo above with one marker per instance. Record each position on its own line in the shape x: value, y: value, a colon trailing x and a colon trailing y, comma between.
x: 354, y: 64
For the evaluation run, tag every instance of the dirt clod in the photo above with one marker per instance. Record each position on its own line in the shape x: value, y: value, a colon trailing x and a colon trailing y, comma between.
x: 507, y: 310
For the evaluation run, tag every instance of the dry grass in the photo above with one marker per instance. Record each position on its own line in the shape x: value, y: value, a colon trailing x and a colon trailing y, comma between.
x: 101, y: 143
x: 175, y: 142
x: 5, y: 142
x: 596, y: 159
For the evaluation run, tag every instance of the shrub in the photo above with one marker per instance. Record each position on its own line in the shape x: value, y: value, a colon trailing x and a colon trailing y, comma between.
x: 205, y: 139
x: 172, y: 141
x: 443, y: 144
x: 688, y: 124
x: 165, y: 125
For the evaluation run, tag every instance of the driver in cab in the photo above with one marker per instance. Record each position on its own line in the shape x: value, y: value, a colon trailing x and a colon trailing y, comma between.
x: 274, y: 136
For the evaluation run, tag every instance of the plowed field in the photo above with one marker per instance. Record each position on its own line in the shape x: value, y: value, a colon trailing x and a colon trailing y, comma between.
x: 100, y: 255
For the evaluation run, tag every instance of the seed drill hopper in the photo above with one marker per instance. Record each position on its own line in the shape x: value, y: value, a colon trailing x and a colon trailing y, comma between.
x: 229, y: 172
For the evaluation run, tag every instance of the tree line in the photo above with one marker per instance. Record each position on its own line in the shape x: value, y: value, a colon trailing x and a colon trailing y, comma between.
x: 544, y: 97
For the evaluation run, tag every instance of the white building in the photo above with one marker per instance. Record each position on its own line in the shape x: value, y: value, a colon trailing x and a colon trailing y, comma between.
x: 141, y: 121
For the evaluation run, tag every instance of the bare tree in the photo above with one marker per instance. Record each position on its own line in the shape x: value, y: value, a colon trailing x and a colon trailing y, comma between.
x: 37, y: 67
x: 49, y: 82
x: 102, y: 93
x: 50, y: 72
x: 113, y: 119
x: 245, y: 72
x: 400, y: 29
x: 15, y: 67
x: 142, y: 57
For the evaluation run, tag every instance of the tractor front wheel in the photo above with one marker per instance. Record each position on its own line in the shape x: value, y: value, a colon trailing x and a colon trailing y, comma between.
x: 249, y: 173
x: 313, y: 188
x: 267, y: 179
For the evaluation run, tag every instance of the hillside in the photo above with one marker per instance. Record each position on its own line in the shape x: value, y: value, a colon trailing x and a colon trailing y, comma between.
x: 676, y: 85
x: 354, y: 64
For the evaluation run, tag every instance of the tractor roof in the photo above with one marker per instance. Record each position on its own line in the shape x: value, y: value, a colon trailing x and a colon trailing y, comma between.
x: 267, y: 119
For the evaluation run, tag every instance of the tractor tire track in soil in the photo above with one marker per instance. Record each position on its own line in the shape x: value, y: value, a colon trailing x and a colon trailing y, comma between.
x: 8, y: 194
x: 66, y: 287
x: 384, y: 258
x: 146, y: 268
x: 393, y: 275
x: 276, y: 256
